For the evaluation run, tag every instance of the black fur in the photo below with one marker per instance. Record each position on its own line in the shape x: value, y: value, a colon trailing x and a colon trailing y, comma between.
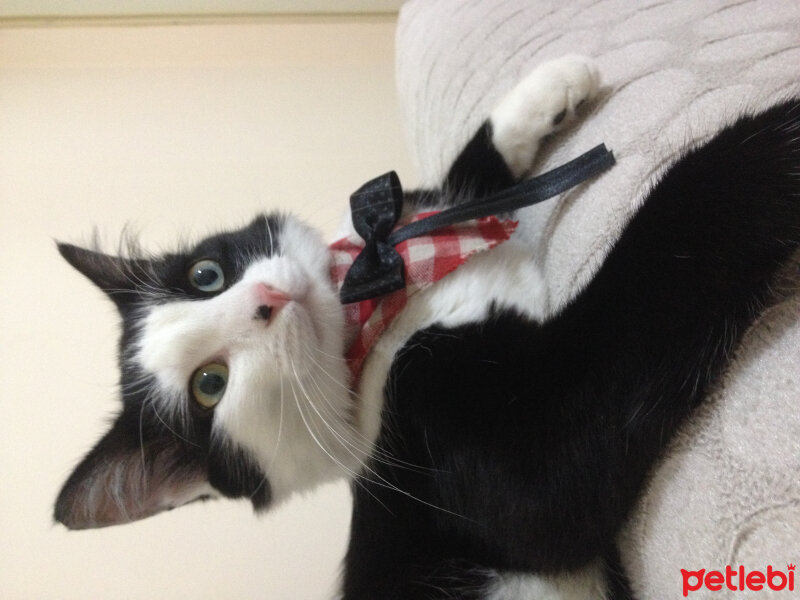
x: 172, y: 450
x: 479, y: 169
x: 517, y: 446
x: 534, y: 441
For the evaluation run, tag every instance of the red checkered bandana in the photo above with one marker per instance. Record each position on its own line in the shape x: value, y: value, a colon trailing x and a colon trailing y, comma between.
x: 427, y: 259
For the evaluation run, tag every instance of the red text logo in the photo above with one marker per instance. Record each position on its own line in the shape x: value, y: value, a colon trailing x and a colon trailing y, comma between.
x: 738, y: 579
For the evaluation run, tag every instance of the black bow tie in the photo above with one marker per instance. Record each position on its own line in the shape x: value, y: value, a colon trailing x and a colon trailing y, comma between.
x: 376, y: 206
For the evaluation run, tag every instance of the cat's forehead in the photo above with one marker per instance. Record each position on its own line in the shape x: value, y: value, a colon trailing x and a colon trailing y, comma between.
x: 160, y: 278
x: 260, y: 237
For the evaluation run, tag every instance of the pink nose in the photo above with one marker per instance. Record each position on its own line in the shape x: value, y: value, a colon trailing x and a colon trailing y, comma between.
x: 269, y: 300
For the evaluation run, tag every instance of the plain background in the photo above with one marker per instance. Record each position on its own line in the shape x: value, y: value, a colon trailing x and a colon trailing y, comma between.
x: 175, y: 131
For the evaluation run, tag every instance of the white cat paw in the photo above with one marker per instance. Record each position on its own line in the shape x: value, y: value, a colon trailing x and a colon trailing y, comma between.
x: 539, y: 105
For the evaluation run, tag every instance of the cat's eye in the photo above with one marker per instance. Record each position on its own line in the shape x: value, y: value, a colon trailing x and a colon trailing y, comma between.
x: 209, y: 383
x: 207, y: 276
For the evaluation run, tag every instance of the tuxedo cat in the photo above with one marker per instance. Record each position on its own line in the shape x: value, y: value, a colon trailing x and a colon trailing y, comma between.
x: 494, y: 449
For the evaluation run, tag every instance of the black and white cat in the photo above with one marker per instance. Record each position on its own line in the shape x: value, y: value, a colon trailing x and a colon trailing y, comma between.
x: 495, y: 450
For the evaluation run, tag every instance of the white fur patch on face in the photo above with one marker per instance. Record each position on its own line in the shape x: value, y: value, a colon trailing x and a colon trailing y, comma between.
x: 287, y: 400
x: 538, y: 105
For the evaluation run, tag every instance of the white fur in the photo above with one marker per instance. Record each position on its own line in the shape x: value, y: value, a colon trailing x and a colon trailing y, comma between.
x: 287, y: 400
x: 528, y: 113
x: 583, y: 584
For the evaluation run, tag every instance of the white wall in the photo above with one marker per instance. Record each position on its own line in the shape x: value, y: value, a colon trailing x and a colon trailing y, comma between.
x: 178, y: 130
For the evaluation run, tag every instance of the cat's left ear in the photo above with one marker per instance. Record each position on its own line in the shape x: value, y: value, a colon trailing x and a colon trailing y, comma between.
x: 116, y: 276
x: 126, y: 477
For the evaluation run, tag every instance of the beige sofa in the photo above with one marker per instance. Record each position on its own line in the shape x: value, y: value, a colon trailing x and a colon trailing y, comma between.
x: 674, y: 71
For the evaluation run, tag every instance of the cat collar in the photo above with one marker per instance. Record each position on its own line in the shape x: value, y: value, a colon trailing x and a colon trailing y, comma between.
x: 379, y: 269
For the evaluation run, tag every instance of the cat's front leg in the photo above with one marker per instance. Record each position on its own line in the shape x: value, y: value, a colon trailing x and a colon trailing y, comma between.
x: 503, y: 149
x: 539, y: 105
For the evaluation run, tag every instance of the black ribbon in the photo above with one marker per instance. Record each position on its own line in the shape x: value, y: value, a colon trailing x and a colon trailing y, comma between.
x: 376, y: 206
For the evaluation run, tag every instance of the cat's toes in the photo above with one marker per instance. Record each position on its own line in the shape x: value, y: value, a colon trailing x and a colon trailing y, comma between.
x: 538, y: 105
x: 578, y: 78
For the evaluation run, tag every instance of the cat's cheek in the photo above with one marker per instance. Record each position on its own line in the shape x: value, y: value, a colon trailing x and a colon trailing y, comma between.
x: 305, y: 247
x: 175, y: 339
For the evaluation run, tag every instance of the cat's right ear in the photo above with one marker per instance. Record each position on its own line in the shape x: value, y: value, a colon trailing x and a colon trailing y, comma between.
x: 117, y: 277
x: 129, y: 475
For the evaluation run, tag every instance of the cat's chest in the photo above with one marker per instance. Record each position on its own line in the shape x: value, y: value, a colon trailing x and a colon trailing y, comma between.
x: 506, y: 277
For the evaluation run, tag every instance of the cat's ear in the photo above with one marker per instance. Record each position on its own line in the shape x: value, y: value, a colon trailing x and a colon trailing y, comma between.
x: 123, y: 480
x: 117, y: 277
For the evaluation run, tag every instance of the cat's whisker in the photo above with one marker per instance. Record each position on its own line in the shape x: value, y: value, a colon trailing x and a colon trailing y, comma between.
x: 141, y: 431
x: 357, y: 440
x: 134, y: 389
x: 280, y: 421
x: 171, y: 429
x: 325, y: 417
x: 311, y: 430
x: 271, y: 239
x: 374, y: 478
x: 351, y: 429
x: 358, y: 480
x: 365, y: 452
x: 336, y: 380
x: 130, y: 271
x: 258, y: 487
x: 353, y: 475
x: 336, y: 357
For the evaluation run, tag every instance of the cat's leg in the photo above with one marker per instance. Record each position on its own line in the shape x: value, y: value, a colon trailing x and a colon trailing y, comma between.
x: 503, y: 149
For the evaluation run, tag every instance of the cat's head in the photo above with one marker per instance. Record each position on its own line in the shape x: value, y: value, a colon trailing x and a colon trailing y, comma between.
x: 232, y: 381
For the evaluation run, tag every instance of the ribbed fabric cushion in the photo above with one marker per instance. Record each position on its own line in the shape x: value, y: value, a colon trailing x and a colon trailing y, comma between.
x: 674, y: 71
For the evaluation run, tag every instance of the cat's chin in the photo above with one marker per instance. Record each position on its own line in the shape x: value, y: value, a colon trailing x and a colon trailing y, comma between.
x: 290, y: 404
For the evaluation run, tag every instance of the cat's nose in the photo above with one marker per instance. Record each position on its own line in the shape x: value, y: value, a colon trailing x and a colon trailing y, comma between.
x: 269, y: 301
